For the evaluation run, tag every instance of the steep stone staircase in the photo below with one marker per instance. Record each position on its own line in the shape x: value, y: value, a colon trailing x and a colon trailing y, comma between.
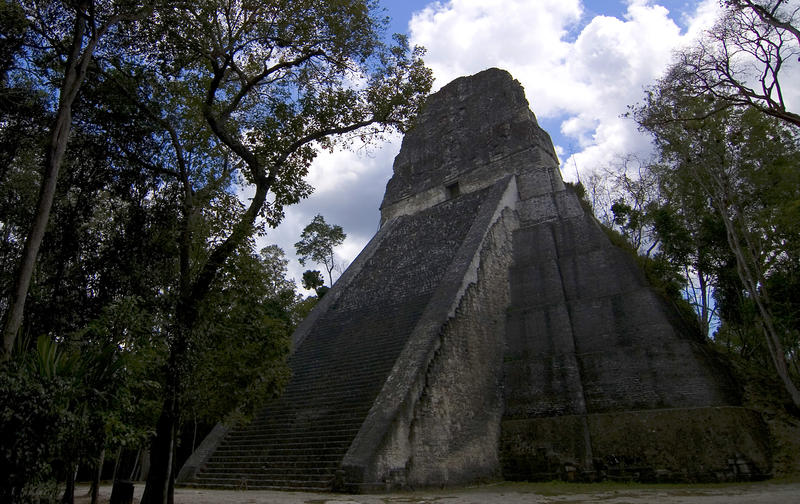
x: 299, y: 440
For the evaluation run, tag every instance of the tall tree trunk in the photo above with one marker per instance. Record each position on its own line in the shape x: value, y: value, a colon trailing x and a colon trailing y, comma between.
x: 116, y: 464
x: 705, y: 312
x: 194, y: 434
x: 98, y: 473
x: 132, y: 476
x: 162, y: 449
x: 53, y: 160
x: 82, y: 49
x: 69, y: 490
x: 159, y: 487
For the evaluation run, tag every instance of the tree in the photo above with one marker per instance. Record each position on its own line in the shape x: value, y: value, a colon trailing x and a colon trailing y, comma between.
x: 692, y: 238
x: 207, y: 98
x: 747, y: 57
x: 13, y: 26
x: 253, y: 89
x: 242, y: 339
x: 743, y: 166
x: 64, y: 404
x: 53, y: 22
x: 317, y: 242
x: 632, y: 189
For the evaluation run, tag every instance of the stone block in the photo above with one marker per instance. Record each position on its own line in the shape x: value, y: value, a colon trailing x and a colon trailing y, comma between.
x: 537, y: 180
x: 537, y: 209
x: 536, y: 285
x: 542, y: 385
x: 568, y: 204
x: 654, y: 445
x: 533, y: 244
x: 599, y: 273
x: 579, y: 234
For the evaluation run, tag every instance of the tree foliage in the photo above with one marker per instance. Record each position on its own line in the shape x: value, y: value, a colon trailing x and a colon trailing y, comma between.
x: 317, y: 242
x: 730, y: 183
x: 172, y: 111
x: 312, y: 279
x: 722, y: 212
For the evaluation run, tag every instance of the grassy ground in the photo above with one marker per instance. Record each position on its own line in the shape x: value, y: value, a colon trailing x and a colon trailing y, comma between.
x: 551, y: 488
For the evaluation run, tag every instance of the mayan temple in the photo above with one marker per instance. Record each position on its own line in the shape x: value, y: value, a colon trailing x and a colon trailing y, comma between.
x: 489, y: 330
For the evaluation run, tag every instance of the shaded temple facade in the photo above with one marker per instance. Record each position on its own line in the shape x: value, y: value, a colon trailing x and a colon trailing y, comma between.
x: 489, y: 329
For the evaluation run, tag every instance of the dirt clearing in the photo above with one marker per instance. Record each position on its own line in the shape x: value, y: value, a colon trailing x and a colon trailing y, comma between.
x: 770, y: 492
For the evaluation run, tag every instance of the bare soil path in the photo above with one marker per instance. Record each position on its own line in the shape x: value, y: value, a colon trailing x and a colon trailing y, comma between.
x: 770, y: 492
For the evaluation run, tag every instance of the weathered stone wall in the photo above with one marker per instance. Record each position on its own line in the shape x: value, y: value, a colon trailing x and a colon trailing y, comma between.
x: 455, y: 430
x: 437, y: 418
x: 356, y: 341
x: 422, y: 248
x: 583, y: 317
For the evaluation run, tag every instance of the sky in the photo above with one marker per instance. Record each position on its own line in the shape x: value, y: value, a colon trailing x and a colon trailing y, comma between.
x: 581, y: 62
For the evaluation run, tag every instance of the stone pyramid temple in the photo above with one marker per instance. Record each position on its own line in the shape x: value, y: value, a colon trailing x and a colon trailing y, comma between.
x: 489, y: 330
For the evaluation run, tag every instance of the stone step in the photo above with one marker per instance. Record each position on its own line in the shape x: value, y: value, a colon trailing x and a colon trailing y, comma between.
x: 279, y: 451
x: 278, y: 483
x: 333, y: 384
x: 327, y: 428
x: 330, y: 389
x: 372, y: 358
x: 262, y: 471
x: 346, y: 405
x: 299, y: 439
x: 320, y: 419
x: 231, y: 471
x: 277, y: 460
x: 272, y: 456
x: 374, y: 355
x: 274, y: 484
x: 269, y: 473
x: 333, y: 438
x: 245, y: 470
x: 276, y: 438
x: 286, y: 468
x: 300, y: 448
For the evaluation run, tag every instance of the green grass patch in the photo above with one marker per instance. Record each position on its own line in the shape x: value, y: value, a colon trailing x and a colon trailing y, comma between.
x: 557, y: 487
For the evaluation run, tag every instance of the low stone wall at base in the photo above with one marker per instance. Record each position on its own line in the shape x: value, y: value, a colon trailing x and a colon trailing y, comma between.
x: 648, y: 446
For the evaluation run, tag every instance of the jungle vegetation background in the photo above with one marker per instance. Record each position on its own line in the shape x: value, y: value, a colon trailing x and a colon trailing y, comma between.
x: 136, y: 304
